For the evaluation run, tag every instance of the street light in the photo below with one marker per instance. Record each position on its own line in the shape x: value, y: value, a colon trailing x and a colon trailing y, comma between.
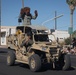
x: 52, y: 19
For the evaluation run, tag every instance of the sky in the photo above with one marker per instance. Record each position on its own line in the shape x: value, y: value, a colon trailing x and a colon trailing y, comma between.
x: 10, y: 10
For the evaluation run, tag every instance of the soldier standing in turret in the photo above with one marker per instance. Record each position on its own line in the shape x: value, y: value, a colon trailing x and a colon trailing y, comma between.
x: 26, y: 16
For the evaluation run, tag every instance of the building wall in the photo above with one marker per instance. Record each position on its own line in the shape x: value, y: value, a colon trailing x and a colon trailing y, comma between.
x: 3, y: 38
x: 5, y: 31
x: 61, y: 35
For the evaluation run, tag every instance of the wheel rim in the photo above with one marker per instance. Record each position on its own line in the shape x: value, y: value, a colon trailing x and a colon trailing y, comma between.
x: 8, y: 59
x: 33, y: 63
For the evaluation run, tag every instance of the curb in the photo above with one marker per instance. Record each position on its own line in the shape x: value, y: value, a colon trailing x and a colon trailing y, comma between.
x: 3, y: 49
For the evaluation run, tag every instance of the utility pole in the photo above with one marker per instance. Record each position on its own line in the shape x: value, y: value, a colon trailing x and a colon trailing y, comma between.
x: 55, y: 21
x: 23, y: 7
x: 0, y: 22
x: 22, y: 3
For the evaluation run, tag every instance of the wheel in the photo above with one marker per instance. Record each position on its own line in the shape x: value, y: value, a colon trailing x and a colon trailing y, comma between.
x: 35, y: 63
x: 10, y: 58
x: 64, y: 62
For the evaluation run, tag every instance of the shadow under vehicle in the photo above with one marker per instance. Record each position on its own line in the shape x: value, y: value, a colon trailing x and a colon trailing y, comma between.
x: 41, y: 51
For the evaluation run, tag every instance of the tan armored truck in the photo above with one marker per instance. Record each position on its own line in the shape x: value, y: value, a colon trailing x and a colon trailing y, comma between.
x: 40, y: 51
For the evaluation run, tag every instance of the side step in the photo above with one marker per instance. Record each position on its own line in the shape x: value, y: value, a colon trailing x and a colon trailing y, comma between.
x: 25, y: 62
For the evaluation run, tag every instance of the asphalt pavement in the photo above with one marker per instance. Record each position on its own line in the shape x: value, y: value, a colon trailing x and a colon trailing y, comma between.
x: 23, y: 69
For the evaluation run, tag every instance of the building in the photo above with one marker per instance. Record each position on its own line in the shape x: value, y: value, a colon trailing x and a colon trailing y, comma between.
x: 5, y: 31
x: 61, y: 35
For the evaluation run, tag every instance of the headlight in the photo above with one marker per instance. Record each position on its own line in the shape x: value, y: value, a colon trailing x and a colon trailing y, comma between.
x: 43, y: 48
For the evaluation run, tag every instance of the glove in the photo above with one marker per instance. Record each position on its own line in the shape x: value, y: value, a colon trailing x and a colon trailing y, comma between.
x: 36, y: 13
x: 19, y: 20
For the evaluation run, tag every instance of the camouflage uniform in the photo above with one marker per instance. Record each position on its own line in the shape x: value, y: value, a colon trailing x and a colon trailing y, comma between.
x: 27, y: 42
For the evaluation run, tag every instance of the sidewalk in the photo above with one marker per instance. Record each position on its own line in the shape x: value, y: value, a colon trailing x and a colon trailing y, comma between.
x: 3, y: 46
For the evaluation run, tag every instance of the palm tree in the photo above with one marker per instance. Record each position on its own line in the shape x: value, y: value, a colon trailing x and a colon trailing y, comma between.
x: 74, y: 34
x: 72, y: 4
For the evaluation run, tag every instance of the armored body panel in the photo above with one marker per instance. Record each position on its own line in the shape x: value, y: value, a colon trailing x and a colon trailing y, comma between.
x: 41, y: 51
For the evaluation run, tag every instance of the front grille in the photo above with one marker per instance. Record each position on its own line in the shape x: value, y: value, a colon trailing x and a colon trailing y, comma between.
x: 53, y: 51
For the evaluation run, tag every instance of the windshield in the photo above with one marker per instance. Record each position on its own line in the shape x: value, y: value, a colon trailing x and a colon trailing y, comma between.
x: 41, y: 38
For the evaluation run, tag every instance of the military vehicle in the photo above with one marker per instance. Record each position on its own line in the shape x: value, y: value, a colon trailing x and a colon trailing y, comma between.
x: 41, y: 51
